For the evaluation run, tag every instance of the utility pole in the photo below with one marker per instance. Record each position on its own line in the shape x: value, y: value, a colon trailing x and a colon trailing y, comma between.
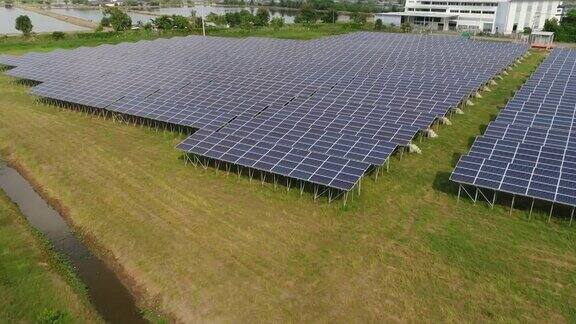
x: 202, y: 15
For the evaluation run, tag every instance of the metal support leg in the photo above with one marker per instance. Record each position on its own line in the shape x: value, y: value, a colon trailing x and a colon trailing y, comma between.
x: 476, y: 196
x: 459, y: 191
x: 551, y: 211
x: 571, y: 217
x: 531, y: 209
x: 512, y: 205
x: 494, y: 199
x: 345, y: 198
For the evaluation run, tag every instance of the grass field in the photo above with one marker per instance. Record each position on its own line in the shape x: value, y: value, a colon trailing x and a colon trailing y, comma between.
x: 32, y: 290
x: 44, y: 42
x: 204, y: 247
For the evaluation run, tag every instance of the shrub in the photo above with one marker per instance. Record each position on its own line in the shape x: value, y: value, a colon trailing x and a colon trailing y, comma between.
x: 262, y: 17
x: 277, y: 23
x: 57, y: 35
x: 378, y: 25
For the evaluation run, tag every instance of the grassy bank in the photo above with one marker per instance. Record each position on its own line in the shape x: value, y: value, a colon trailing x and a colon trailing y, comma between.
x: 31, y: 287
x: 44, y: 42
x: 206, y: 247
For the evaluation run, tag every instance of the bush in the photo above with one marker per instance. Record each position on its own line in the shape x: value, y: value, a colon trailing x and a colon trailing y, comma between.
x: 358, y: 18
x: 119, y: 20
x: 233, y: 19
x: 330, y: 16
x: 57, y: 35
x: 378, y: 25
x: 48, y: 316
x: 277, y: 23
x: 307, y: 15
x: 406, y: 28
x: 262, y: 17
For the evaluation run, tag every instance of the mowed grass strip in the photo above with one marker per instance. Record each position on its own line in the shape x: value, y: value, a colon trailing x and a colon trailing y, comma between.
x: 204, y: 246
x: 31, y: 289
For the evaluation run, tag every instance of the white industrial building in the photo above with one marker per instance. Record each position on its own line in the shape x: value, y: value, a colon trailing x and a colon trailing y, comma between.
x: 491, y: 16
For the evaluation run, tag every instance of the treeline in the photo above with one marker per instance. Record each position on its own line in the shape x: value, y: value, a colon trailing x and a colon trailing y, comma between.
x: 565, y: 30
x: 119, y: 20
x: 246, y: 19
x: 351, y: 6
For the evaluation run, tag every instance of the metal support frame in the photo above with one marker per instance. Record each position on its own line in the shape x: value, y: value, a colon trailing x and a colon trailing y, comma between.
x: 531, y: 209
x: 551, y: 211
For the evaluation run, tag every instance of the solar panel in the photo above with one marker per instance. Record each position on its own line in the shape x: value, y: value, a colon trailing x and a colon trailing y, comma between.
x: 529, y: 150
x: 339, y: 105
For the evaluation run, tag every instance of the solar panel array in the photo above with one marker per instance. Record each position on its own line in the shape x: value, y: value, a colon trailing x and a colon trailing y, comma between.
x: 322, y: 111
x: 529, y: 150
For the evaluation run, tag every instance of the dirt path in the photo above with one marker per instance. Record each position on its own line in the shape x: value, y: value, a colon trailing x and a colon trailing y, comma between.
x: 69, y: 19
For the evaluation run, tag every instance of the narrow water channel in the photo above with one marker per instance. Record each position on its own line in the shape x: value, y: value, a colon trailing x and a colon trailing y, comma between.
x: 108, y: 295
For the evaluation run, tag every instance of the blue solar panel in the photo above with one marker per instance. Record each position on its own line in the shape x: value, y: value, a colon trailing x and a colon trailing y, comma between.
x: 349, y: 99
x: 529, y: 149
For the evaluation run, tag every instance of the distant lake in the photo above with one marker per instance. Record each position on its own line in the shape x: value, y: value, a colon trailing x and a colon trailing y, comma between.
x: 40, y: 22
x: 96, y: 15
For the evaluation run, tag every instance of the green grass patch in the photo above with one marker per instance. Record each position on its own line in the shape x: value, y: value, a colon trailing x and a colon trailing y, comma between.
x: 31, y: 283
x: 45, y: 42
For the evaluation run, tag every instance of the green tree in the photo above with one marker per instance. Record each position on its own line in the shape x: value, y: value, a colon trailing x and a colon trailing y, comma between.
x: 551, y: 25
x: 180, y: 22
x: 378, y: 25
x: 24, y: 24
x: 119, y: 20
x: 330, y: 16
x: 246, y: 19
x: 277, y: 23
x: 233, y: 19
x: 527, y: 31
x: 163, y: 22
x: 216, y: 19
x: 262, y: 17
x: 307, y: 15
x: 358, y: 18
x: 322, y: 4
x: 105, y: 22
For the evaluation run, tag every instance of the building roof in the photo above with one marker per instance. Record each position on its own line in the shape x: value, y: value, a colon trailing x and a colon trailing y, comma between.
x: 419, y: 14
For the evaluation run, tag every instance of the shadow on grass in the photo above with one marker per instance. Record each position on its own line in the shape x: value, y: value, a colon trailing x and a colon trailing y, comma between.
x: 443, y: 184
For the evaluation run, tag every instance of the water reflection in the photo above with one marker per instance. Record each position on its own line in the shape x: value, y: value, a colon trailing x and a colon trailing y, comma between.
x: 40, y: 22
